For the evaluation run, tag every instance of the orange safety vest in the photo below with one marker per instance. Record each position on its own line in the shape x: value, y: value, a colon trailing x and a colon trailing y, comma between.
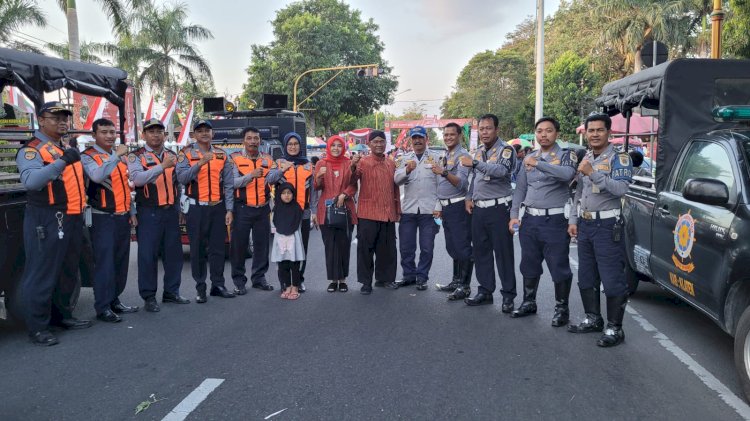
x: 113, y: 195
x: 300, y: 175
x: 256, y: 192
x: 161, y: 192
x: 207, y: 188
x: 66, y: 193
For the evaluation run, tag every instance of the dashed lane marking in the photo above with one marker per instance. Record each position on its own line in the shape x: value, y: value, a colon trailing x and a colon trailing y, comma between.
x: 191, y: 401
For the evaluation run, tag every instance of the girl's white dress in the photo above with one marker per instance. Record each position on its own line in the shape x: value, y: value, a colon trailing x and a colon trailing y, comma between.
x: 288, y: 247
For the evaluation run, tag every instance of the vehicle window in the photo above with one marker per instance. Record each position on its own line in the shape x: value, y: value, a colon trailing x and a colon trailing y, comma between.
x: 731, y: 92
x: 705, y: 160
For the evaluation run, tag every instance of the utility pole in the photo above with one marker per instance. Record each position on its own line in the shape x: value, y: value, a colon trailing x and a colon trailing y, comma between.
x: 717, y: 16
x: 539, y: 105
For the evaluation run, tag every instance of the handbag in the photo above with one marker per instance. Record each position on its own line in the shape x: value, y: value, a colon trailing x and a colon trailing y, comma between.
x: 337, y: 217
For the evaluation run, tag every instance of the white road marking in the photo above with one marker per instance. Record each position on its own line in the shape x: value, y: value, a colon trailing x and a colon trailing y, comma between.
x: 275, y: 413
x: 191, y: 401
x: 707, y: 378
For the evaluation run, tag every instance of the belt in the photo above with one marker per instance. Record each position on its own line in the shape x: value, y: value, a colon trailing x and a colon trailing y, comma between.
x: 605, y: 214
x: 101, y: 212
x: 213, y: 203
x: 253, y: 206
x: 446, y: 202
x: 544, y: 212
x: 493, y: 202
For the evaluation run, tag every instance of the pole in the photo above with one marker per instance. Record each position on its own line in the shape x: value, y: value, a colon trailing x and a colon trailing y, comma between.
x: 539, y: 105
x: 717, y: 16
x: 322, y: 69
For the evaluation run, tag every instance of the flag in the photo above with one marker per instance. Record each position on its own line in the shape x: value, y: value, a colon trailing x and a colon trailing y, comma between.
x: 167, y: 117
x: 184, y: 136
x: 18, y: 100
x: 95, y: 112
x: 149, y: 110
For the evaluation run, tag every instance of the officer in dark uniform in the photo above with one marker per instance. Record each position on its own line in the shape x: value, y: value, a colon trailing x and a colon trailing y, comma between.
x: 451, y: 192
x: 112, y: 215
x: 53, y: 176
x: 156, y: 195
x: 604, y: 176
x: 542, y: 188
x: 254, y: 173
x: 489, y: 203
x: 206, y: 172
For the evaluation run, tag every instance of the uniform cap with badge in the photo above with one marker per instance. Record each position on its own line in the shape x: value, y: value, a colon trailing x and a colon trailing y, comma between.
x: 153, y: 122
x: 418, y: 131
x: 54, y: 107
x: 202, y: 123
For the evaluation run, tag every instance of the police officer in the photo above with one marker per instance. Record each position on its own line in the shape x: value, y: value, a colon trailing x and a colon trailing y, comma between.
x: 603, y: 178
x: 451, y: 192
x: 111, y: 218
x: 542, y: 188
x: 419, y: 209
x: 254, y: 173
x: 156, y: 196
x: 489, y: 203
x: 206, y: 172
x: 52, y: 225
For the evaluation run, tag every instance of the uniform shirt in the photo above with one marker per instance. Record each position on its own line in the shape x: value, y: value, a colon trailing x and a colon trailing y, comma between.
x: 547, y: 185
x: 240, y: 181
x: 493, y: 171
x: 186, y: 174
x: 34, y: 174
x: 451, y: 162
x: 140, y: 177
x: 602, y: 190
x: 420, y: 186
x: 99, y: 174
x: 379, y: 196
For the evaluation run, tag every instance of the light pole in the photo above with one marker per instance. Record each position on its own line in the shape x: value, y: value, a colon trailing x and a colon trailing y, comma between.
x: 539, y: 105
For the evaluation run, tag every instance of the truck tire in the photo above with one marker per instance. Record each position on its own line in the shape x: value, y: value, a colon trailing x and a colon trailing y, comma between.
x: 742, y: 351
x: 632, y: 279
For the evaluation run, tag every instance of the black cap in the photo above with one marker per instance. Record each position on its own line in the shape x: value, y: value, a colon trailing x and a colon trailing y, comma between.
x: 153, y: 122
x: 200, y: 123
x: 54, y: 107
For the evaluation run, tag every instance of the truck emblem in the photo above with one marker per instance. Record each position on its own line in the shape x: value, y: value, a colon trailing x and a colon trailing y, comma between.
x: 684, y: 239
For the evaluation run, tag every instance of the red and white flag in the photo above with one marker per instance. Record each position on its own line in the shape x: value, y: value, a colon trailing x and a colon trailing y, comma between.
x: 184, y: 136
x: 96, y: 112
x: 149, y: 110
x: 167, y: 117
x: 18, y: 100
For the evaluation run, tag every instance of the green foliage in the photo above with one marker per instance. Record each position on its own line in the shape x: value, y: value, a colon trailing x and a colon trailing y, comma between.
x: 318, y: 34
x: 569, y: 91
x: 203, y: 88
x: 88, y: 53
x: 16, y: 14
x: 736, y: 41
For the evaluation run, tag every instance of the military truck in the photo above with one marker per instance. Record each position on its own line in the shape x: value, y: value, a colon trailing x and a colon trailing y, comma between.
x: 688, y: 229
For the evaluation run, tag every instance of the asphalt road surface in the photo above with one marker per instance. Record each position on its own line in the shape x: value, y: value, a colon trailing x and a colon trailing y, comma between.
x: 401, y: 354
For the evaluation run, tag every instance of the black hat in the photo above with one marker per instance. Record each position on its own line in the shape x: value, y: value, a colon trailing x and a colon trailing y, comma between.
x: 153, y: 122
x: 54, y: 107
x: 200, y: 123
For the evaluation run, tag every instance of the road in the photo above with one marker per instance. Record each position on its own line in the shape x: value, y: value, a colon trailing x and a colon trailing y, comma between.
x: 401, y: 354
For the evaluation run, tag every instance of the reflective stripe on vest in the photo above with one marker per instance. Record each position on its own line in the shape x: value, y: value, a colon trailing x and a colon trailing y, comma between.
x: 207, y: 188
x: 112, y: 195
x: 162, y: 187
x: 300, y: 175
x: 256, y: 192
x: 66, y: 192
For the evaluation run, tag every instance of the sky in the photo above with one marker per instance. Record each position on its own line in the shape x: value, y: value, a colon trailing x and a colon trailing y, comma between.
x: 427, y: 42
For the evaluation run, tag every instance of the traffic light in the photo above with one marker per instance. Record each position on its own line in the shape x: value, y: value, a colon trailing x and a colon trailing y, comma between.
x: 362, y: 72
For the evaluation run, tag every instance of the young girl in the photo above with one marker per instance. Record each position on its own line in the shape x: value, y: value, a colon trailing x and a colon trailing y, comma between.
x: 287, y: 249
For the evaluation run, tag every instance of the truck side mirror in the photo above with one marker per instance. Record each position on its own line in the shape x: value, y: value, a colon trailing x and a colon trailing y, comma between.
x: 706, y: 190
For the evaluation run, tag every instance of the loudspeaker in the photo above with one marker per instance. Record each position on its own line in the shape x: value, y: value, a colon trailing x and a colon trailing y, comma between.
x: 213, y: 105
x: 275, y: 101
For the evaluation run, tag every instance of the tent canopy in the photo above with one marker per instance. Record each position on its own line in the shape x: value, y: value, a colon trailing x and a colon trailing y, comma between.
x: 639, y: 125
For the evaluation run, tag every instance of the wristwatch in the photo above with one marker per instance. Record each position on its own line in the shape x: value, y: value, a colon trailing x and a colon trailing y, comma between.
x: 444, y: 173
x: 474, y: 163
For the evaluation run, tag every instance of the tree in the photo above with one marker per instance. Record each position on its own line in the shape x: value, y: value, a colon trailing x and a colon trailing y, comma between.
x: 569, y: 91
x: 737, y: 43
x: 88, y: 51
x: 114, y: 9
x: 203, y: 88
x: 14, y: 15
x: 319, y: 34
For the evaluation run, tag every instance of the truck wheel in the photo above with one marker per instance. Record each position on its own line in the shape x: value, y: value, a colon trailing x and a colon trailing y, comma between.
x: 632, y: 279
x: 742, y: 351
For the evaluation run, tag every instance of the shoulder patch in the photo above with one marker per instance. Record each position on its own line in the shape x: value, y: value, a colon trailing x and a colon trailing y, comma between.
x: 573, y: 156
x: 624, y: 159
x: 131, y: 157
x: 181, y: 157
x: 507, y: 153
x: 29, y: 153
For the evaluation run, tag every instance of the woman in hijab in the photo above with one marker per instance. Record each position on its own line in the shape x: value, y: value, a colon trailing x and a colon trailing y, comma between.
x: 297, y: 171
x: 333, y: 179
x: 287, y: 249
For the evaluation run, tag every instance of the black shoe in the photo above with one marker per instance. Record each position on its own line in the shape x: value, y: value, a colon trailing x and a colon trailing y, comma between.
x: 122, y: 308
x: 240, y: 290
x: 421, y: 285
x: 528, y: 306
x: 365, y: 290
x: 379, y: 284
x: 449, y: 287
x: 151, y: 305
x: 333, y: 287
x: 108, y: 316
x: 201, y: 297
x: 43, y: 338
x: 459, y: 293
x: 221, y: 291
x: 507, y: 305
x: 562, y: 313
x: 343, y: 287
x: 479, y: 299
x: 168, y: 297
x: 612, y: 336
x: 72, y: 323
x: 263, y: 286
x: 592, y: 323
x: 402, y: 283
x: 391, y: 285
x: 301, y: 288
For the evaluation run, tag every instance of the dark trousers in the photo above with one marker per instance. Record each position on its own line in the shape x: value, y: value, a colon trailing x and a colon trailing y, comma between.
x: 376, y: 238
x: 457, y: 224
x: 49, y: 276
x: 248, y: 219
x: 158, y: 234
x: 110, y: 237
x: 305, y: 231
x: 207, y: 231
x: 410, y: 226
x: 598, y: 254
x: 493, y: 243
x: 545, y: 238
x: 289, y: 273
x: 337, y: 243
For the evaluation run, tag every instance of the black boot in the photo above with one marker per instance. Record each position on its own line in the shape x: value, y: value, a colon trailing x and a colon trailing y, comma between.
x: 613, y: 334
x: 455, y: 282
x: 463, y: 290
x: 562, y: 314
x: 528, y: 306
x: 592, y: 306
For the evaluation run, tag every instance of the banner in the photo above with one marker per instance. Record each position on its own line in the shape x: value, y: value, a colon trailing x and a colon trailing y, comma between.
x: 87, y: 107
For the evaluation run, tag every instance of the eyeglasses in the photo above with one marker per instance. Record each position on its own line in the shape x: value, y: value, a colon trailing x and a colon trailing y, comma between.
x: 56, y: 118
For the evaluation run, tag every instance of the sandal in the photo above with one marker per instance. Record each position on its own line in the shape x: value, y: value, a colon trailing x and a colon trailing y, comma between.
x: 285, y: 293
x: 293, y: 295
x: 333, y: 286
x: 343, y: 287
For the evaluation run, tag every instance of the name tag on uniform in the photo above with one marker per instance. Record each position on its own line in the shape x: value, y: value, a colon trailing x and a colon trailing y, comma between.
x: 595, y: 189
x: 428, y: 166
x: 486, y: 178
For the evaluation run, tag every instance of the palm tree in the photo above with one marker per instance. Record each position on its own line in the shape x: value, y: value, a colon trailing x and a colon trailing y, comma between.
x: 15, y: 14
x: 88, y: 51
